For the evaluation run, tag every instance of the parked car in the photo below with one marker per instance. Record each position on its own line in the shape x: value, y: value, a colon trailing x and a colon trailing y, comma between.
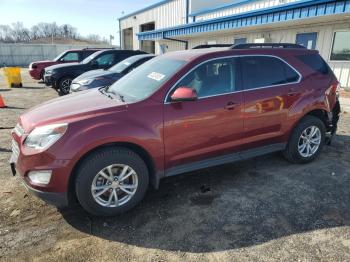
x: 36, y: 69
x: 106, y: 77
x: 60, y: 76
x: 176, y: 113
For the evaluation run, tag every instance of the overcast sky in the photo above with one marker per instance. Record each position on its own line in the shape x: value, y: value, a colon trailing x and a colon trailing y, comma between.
x: 88, y: 16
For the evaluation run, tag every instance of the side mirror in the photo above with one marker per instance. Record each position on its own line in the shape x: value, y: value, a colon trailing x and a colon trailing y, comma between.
x: 184, y: 94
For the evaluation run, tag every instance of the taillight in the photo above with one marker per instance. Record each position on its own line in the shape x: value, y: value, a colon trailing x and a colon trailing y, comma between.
x: 34, y: 66
x: 333, y: 89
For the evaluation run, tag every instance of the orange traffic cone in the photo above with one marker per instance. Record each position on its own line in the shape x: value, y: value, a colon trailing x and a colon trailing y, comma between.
x: 2, y: 102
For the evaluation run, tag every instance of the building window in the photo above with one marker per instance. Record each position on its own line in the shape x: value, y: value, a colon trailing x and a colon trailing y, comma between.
x: 341, y: 47
x: 307, y: 40
x: 239, y: 41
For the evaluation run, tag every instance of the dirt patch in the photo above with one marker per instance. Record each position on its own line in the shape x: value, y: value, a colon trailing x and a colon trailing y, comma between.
x: 264, y: 209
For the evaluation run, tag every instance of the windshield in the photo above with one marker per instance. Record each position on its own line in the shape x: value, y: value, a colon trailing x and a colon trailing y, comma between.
x: 146, y: 79
x: 121, y: 66
x: 59, y: 56
x: 90, y: 57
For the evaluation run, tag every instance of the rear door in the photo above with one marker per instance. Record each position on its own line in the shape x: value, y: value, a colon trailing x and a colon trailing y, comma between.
x: 210, y: 126
x: 270, y: 88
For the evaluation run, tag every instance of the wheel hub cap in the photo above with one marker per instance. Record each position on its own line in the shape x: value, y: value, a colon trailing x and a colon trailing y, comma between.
x: 114, y: 185
x: 309, y: 141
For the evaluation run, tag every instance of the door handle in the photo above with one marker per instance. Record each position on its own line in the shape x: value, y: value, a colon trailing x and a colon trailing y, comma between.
x: 231, y: 105
x: 292, y: 92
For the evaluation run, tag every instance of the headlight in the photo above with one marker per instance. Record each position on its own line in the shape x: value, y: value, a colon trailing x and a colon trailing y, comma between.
x: 43, y: 137
x: 85, y: 82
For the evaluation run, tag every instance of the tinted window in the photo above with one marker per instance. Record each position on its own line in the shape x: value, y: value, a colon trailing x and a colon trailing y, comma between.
x: 212, y: 78
x: 85, y: 54
x: 263, y: 71
x: 132, y: 62
x: 105, y: 59
x: 122, y: 56
x: 70, y: 57
x: 341, y: 47
x: 315, y: 62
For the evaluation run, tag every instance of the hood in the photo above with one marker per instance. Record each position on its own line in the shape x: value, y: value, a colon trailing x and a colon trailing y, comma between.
x: 70, y: 108
x: 65, y: 65
x: 94, y: 74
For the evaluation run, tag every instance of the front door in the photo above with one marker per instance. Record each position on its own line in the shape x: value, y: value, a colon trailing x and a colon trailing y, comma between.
x: 210, y: 126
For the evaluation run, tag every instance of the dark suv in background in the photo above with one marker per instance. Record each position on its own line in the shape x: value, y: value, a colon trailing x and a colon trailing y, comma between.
x: 176, y: 113
x: 60, y: 76
x: 37, y: 69
x: 100, y: 78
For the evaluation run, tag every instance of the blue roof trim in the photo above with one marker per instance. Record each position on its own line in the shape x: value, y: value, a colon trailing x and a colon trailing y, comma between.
x: 145, y: 9
x: 288, y: 12
x: 221, y: 7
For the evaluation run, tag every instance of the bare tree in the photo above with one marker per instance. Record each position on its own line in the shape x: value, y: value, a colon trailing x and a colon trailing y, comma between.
x: 16, y: 32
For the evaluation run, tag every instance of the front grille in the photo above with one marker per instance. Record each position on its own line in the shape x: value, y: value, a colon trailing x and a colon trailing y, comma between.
x: 15, y: 152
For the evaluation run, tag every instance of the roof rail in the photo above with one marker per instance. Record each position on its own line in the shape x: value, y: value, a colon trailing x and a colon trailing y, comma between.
x: 267, y: 45
x: 102, y: 48
x: 211, y: 46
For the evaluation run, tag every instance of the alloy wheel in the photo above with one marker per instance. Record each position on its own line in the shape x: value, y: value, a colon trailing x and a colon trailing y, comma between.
x: 114, y: 186
x: 309, y: 141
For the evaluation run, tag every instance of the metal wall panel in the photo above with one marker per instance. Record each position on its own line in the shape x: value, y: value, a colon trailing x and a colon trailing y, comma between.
x: 242, y: 8
x: 170, y: 14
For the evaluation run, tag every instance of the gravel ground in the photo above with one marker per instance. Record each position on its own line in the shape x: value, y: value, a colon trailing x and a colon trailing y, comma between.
x: 263, y: 209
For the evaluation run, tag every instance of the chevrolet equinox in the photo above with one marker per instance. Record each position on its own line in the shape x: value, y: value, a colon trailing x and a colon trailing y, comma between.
x: 176, y: 113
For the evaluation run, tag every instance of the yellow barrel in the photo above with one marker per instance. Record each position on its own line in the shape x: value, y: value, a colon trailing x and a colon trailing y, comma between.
x: 13, y: 76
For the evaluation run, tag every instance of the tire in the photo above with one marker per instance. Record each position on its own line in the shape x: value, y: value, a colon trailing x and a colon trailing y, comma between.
x: 64, y: 86
x: 42, y: 75
x: 99, y: 161
x: 293, y: 152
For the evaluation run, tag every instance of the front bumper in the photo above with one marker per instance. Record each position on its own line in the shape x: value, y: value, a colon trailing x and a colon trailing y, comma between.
x: 56, y: 191
x: 56, y: 199
x: 47, y: 80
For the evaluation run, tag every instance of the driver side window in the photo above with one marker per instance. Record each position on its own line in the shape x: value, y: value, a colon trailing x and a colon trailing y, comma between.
x: 105, y: 60
x: 212, y: 78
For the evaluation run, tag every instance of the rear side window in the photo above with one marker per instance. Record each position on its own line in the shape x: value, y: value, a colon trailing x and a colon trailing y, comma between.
x: 315, y: 62
x: 265, y: 71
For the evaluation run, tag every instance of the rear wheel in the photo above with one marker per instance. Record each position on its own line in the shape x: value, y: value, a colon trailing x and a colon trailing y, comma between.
x: 64, y: 86
x: 111, y: 181
x: 306, y: 141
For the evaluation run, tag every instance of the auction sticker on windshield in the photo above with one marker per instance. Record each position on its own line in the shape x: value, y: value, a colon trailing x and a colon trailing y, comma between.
x: 156, y: 76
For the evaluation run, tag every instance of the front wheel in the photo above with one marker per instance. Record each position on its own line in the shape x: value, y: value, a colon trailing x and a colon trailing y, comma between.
x: 64, y: 86
x: 111, y: 181
x: 306, y: 141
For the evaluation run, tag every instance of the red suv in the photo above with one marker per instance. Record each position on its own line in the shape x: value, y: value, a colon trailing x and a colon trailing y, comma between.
x: 36, y: 69
x: 176, y: 113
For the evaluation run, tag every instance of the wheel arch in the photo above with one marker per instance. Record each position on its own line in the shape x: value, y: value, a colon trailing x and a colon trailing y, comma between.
x: 154, y: 180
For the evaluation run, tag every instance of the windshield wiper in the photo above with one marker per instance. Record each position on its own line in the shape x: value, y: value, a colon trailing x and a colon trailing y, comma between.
x: 111, y: 94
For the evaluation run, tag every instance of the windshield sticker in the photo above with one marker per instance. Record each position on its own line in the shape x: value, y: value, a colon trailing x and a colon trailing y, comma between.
x: 156, y: 76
